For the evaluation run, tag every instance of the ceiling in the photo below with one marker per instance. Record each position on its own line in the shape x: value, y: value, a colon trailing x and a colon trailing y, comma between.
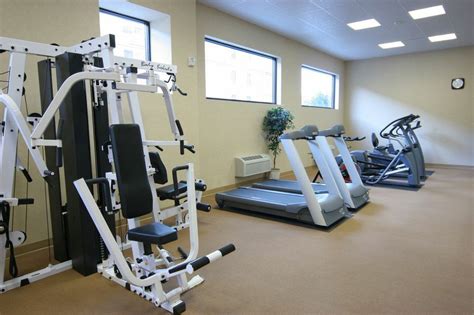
x: 321, y: 24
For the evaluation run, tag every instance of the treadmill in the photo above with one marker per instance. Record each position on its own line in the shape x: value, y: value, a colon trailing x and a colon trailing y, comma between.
x: 307, y: 207
x: 355, y: 194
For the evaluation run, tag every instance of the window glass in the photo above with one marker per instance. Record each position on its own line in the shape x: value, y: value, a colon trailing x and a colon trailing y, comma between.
x: 132, y: 36
x: 235, y: 73
x: 317, y: 88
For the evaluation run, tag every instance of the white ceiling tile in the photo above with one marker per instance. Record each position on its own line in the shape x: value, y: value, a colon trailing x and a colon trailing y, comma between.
x: 435, y: 25
x: 322, y: 23
x: 346, y: 11
x: 410, y: 5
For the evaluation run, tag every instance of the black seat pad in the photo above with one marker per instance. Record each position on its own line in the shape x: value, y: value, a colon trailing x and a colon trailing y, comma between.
x: 168, y: 192
x: 153, y: 233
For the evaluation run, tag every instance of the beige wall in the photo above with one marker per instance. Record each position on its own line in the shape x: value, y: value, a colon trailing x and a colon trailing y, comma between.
x: 379, y: 90
x: 45, y: 21
x: 229, y: 129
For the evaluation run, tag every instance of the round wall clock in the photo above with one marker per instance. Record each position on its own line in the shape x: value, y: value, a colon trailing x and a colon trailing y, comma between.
x: 457, y: 84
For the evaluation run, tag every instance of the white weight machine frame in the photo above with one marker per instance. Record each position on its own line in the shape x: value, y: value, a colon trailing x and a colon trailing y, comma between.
x: 13, y: 123
x: 115, y: 79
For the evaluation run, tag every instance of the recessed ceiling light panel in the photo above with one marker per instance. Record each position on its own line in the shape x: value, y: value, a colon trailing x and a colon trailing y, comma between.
x: 360, y: 25
x: 427, y: 12
x: 440, y: 38
x: 391, y: 45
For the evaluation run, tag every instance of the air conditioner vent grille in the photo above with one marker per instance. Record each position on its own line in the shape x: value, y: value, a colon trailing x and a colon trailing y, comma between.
x: 252, y: 165
x: 252, y: 157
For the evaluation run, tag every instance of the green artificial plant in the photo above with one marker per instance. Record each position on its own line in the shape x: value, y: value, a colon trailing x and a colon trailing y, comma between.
x: 275, y: 122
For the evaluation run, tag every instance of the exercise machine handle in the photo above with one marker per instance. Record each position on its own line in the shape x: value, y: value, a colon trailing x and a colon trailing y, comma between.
x: 104, y: 184
x: 180, y: 91
x: 205, y: 260
x: 202, y: 261
x: 59, y: 150
x: 25, y: 173
x: 203, y: 207
x: 181, y: 133
x: 190, y: 148
x: 26, y: 201
x: 354, y: 139
x: 175, y: 177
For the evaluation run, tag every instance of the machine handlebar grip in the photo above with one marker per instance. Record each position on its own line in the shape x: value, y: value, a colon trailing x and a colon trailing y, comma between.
x: 205, y: 260
x: 180, y: 128
x: 175, y: 176
x: 181, y: 133
x: 26, y: 201
x: 105, y: 190
x: 199, y: 263
x: 190, y: 148
x: 229, y: 248
x: 181, y: 147
x: 203, y: 207
x: 27, y: 175
x: 59, y: 150
x: 181, y: 92
x: 200, y: 186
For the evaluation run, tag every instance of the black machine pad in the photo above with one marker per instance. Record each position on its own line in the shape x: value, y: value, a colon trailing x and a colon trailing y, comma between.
x: 153, y: 233
x: 161, y: 175
x: 132, y: 179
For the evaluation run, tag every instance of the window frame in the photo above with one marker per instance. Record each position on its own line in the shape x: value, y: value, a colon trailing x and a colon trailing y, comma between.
x: 134, y: 19
x: 253, y: 52
x: 334, y: 76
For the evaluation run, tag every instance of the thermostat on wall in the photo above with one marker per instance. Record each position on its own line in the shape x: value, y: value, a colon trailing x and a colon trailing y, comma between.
x: 457, y: 84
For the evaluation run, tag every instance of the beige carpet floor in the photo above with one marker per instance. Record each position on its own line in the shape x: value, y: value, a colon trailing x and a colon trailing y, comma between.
x: 404, y: 253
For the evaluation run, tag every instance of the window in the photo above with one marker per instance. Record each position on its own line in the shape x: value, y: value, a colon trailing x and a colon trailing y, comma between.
x: 132, y: 35
x: 236, y: 73
x: 318, y: 88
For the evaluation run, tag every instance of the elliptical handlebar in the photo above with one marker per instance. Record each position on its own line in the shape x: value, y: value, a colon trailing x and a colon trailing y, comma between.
x: 396, y: 126
x: 348, y: 138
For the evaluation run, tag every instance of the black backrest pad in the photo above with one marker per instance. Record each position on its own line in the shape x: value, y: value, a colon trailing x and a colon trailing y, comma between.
x: 161, y: 175
x: 132, y: 179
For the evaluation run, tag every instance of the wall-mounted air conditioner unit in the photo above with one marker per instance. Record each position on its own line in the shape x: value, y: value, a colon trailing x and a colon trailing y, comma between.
x: 252, y: 165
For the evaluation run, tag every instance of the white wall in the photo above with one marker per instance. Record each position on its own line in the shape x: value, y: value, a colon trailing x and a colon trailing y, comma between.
x: 379, y: 90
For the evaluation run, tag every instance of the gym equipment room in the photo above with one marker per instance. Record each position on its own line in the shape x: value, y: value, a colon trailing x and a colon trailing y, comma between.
x: 236, y: 157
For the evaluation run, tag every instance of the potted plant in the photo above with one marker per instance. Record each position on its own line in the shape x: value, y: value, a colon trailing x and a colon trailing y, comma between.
x: 275, y: 122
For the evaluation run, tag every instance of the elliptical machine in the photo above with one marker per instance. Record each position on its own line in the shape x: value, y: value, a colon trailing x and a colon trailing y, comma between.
x: 388, y: 165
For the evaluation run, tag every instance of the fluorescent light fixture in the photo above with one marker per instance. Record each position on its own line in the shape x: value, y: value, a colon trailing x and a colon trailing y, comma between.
x: 440, y: 38
x: 364, y: 24
x: 391, y: 45
x: 427, y: 12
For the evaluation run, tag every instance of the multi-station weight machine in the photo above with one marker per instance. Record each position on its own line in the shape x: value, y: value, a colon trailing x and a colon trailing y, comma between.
x: 119, y: 166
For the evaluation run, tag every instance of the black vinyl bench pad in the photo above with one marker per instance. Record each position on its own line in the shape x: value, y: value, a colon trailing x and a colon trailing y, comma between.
x: 153, y: 233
